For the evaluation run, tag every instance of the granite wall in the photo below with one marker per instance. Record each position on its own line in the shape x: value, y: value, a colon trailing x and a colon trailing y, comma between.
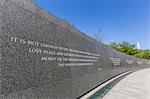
x: 43, y: 58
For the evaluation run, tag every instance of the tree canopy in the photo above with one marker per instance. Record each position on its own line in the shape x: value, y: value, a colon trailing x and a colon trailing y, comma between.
x: 67, y: 22
x: 130, y: 49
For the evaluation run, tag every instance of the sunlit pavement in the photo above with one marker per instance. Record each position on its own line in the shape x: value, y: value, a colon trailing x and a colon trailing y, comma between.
x: 134, y: 86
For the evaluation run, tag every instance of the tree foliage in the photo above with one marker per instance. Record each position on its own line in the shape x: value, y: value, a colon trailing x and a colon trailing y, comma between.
x: 130, y: 49
x: 144, y: 54
x: 67, y: 22
x: 114, y: 45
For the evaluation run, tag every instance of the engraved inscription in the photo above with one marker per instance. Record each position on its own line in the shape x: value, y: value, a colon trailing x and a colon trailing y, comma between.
x: 129, y: 62
x: 115, y: 61
x: 62, y: 55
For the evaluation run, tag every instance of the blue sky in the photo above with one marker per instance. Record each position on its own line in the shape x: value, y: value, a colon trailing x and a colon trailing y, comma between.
x: 119, y: 20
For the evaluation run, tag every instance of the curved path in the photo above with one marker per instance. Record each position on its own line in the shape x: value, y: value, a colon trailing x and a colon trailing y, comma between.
x: 134, y: 86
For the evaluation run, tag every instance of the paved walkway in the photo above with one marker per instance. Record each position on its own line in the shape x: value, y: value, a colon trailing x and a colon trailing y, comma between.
x: 134, y: 86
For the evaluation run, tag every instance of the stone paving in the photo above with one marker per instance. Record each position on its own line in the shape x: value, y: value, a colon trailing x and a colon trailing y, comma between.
x: 134, y: 86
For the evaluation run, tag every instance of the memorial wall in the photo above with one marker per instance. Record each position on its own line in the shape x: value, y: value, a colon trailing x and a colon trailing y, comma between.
x: 43, y: 58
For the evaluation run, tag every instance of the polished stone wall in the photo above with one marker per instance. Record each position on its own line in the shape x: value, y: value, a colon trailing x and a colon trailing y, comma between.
x: 43, y: 58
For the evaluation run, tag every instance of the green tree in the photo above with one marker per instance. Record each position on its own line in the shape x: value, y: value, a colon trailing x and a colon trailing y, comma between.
x: 113, y: 45
x: 124, y: 47
x: 67, y: 22
x: 130, y: 49
x: 144, y: 54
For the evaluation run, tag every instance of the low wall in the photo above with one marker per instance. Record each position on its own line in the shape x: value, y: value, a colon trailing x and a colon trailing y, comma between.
x: 42, y: 58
